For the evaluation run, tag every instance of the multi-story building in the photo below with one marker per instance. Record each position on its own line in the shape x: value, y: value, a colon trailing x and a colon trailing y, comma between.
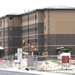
x: 10, y: 33
x: 32, y: 29
x: 48, y: 29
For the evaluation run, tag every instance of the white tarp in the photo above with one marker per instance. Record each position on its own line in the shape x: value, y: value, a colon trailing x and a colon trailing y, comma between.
x: 1, y: 47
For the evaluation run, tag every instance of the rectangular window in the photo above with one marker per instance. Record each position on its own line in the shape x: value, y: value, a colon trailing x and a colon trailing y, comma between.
x: 35, y: 40
x: 10, y: 38
x: 45, y: 39
x: 36, y: 28
x: 11, y: 29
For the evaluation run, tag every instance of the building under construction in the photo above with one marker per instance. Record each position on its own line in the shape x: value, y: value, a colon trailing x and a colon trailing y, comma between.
x: 47, y: 29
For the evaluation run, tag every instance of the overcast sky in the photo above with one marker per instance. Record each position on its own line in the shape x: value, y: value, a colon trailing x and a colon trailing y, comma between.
x: 20, y: 6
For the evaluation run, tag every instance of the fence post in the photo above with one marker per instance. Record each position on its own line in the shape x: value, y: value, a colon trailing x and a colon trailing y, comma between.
x: 10, y: 60
x: 36, y: 59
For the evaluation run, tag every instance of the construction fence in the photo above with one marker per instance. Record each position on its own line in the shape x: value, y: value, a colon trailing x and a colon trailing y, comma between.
x: 40, y: 63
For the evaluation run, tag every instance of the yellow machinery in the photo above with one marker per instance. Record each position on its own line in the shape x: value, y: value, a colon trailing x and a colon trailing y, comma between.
x: 46, y: 53
x: 28, y: 44
x: 25, y: 43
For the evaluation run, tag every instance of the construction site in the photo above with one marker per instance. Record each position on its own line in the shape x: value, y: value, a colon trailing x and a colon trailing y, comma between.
x: 46, y: 29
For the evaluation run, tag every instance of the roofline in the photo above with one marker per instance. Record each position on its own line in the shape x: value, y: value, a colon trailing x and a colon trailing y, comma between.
x: 43, y: 9
x: 35, y: 10
x: 10, y: 15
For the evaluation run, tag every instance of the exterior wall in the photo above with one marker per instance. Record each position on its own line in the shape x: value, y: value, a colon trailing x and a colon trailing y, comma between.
x: 59, y: 20
x: 14, y: 21
x: 11, y: 34
x: 24, y: 20
x: 62, y: 22
x: 46, y: 22
x: 40, y: 17
x: 47, y: 29
x: 32, y: 28
x: 59, y: 30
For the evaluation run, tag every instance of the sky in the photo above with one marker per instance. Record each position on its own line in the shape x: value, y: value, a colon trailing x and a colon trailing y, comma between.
x: 21, y: 6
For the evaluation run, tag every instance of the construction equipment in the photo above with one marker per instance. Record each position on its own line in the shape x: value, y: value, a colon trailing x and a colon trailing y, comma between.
x: 36, y: 52
x: 46, y: 53
x: 25, y: 43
